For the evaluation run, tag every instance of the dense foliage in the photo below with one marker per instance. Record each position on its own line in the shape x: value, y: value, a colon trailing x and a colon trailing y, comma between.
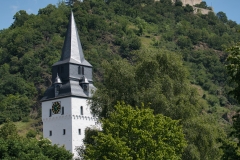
x: 232, y: 146
x: 233, y: 67
x: 156, y: 53
x: 15, y: 147
x: 109, y: 31
x: 159, y: 80
x: 136, y: 134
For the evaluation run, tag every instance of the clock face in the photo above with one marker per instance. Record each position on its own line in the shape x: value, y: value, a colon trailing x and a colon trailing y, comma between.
x: 56, y: 106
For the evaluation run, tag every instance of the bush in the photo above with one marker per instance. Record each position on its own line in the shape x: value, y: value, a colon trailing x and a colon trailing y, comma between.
x: 184, y: 42
x: 31, y: 134
x: 25, y: 119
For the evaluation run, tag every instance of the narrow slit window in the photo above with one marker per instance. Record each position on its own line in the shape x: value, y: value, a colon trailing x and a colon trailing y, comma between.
x: 81, y: 110
x: 50, y: 133
x: 64, y: 131
x: 79, y: 131
x: 50, y: 112
x: 62, y: 110
x: 79, y: 69
x: 82, y: 70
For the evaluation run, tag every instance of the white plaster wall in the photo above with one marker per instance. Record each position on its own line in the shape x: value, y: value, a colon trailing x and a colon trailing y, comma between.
x: 80, y: 121
x: 71, y: 121
x: 57, y: 122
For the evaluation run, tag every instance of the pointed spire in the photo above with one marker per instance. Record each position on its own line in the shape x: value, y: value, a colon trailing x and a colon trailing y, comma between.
x: 72, y: 49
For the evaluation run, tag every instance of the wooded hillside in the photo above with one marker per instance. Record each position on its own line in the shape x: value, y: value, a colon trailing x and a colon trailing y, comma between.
x: 142, y: 51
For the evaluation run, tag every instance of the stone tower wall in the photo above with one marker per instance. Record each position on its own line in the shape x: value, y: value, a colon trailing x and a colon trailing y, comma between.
x: 185, y: 2
x: 191, y: 2
x: 201, y: 10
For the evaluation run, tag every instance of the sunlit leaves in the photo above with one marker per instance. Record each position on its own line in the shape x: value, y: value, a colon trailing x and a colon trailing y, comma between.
x: 137, y: 134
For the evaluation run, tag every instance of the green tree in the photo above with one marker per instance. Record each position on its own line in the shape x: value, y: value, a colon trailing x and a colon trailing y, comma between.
x: 184, y: 42
x: 231, y: 147
x: 188, y: 8
x: 12, y: 146
x: 203, y: 134
x: 19, y: 18
x: 222, y: 17
x: 136, y: 134
x: 233, y: 68
x: 203, y: 4
x: 158, y: 79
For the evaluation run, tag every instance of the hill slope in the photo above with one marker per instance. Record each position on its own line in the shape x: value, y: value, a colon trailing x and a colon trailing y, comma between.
x: 111, y: 31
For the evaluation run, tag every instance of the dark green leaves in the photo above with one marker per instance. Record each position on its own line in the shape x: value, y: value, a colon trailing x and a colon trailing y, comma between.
x: 14, y: 147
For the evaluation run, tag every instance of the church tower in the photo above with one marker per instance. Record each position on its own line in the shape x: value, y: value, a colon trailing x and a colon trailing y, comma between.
x: 65, y: 111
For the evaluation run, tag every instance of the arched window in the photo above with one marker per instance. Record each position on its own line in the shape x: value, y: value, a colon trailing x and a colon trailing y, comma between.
x: 81, y: 110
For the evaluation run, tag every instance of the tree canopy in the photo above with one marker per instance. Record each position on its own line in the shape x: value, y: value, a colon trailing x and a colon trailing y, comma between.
x: 153, y: 52
x: 136, y: 134
x: 15, y: 147
x: 158, y: 79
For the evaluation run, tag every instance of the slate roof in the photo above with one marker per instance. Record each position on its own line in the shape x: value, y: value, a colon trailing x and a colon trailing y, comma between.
x: 72, y: 51
x: 71, y: 88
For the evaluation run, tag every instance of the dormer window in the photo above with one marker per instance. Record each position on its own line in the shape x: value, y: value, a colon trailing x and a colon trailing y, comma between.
x: 57, y: 84
x: 85, y: 87
x: 57, y: 89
